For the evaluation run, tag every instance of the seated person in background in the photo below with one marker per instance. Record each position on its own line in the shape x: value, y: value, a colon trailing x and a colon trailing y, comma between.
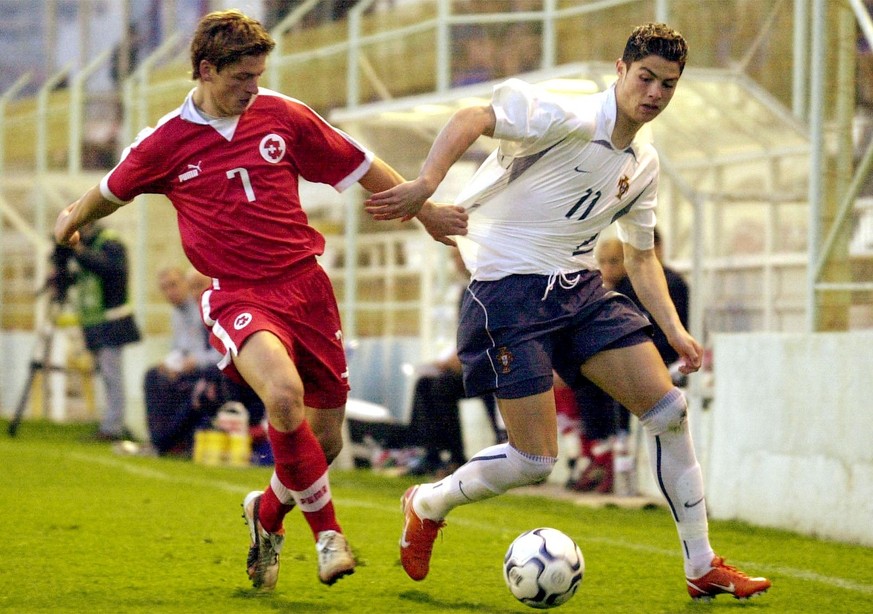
x: 198, y: 283
x: 435, y: 424
x: 589, y: 413
x: 599, y: 414
x: 186, y: 385
x: 606, y: 423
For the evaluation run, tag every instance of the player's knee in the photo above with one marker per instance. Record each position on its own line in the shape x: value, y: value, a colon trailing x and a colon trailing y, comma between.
x: 670, y: 413
x: 283, y: 401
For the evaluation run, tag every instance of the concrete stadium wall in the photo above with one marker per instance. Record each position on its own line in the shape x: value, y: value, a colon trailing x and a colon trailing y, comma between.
x: 791, y: 432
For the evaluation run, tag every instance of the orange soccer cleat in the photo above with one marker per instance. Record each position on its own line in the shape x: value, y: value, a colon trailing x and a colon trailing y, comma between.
x: 416, y: 541
x: 724, y: 579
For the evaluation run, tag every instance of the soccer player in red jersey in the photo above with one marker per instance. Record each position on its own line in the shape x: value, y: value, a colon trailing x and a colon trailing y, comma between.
x: 229, y: 160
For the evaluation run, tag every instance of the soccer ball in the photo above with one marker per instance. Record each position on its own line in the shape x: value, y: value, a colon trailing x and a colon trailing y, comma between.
x: 543, y: 568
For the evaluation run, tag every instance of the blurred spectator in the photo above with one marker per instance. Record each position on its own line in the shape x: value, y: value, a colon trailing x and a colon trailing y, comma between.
x: 341, y: 8
x: 474, y: 55
x: 610, y: 259
x: 276, y: 10
x: 197, y: 283
x: 522, y: 49
x: 105, y: 314
x: 474, y: 47
x: 179, y: 389
x: 126, y: 58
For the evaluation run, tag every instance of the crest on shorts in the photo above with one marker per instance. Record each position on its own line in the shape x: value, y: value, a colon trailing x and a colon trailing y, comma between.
x: 242, y: 320
x: 623, y: 186
x: 504, y: 359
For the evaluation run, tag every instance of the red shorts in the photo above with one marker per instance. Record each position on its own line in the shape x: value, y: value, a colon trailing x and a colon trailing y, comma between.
x: 301, y: 311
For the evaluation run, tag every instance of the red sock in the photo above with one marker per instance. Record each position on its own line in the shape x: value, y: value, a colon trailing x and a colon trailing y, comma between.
x: 300, y: 477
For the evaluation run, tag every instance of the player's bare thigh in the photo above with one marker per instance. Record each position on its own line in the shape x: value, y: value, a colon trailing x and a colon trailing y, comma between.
x: 264, y: 363
x: 635, y: 376
x: 531, y: 423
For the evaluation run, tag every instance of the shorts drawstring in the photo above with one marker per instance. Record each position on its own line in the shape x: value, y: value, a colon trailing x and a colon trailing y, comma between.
x: 563, y: 279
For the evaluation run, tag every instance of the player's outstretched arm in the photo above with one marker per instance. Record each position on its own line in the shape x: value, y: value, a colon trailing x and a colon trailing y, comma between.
x: 91, y: 206
x: 380, y: 177
x: 461, y: 131
x: 440, y: 221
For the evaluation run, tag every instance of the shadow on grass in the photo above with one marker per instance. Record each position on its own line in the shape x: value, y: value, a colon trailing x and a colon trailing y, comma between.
x: 420, y: 597
x: 265, y: 600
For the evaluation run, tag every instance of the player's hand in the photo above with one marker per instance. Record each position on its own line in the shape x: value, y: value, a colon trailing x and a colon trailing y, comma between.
x: 64, y: 234
x: 403, y: 201
x: 690, y: 353
x: 443, y: 221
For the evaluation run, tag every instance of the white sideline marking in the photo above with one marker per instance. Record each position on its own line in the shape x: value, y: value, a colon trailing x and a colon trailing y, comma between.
x: 791, y: 572
x: 155, y: 474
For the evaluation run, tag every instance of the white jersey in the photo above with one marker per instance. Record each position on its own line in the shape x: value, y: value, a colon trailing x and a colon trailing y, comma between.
x: 539, y: 202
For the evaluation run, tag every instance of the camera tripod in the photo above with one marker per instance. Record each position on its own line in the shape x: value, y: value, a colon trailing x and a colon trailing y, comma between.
x: 40, y: 360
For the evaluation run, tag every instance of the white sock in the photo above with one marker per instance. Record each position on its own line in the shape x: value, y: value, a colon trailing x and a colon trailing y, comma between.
x: 678, y: 475
x: 489, y: 473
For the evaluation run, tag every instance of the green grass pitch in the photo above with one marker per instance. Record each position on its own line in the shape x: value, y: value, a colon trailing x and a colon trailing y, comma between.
x: 84, y: 530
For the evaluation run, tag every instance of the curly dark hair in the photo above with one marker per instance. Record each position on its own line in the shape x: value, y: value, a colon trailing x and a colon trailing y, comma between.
x: 223, y: 37
x: 656, y: 39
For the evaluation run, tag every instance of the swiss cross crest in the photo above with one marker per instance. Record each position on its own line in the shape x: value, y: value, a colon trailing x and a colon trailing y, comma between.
x: 623, y: 186
x: 272, y: 148
x: 504, y: 359
x: 242, y: 320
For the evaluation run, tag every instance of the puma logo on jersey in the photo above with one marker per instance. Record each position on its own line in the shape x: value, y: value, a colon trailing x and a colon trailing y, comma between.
x: 193, y: 171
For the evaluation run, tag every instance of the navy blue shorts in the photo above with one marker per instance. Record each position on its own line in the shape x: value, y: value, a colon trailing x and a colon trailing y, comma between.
x: 510, y: 338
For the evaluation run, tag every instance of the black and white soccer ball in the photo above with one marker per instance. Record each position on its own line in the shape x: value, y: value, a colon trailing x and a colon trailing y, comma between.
x: 543, y: 568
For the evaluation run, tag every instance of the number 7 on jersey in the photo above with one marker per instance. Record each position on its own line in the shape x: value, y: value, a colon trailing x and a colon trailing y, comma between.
x: 244, y: 177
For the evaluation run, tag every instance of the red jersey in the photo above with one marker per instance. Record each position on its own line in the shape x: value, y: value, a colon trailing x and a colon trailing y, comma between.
x: 233, y: 182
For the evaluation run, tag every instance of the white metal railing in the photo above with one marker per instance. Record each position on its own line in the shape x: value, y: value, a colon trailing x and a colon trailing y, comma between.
x: 409, y: 276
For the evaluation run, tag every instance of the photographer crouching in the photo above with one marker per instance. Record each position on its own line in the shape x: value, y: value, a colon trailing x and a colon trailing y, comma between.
x: 100, y: 277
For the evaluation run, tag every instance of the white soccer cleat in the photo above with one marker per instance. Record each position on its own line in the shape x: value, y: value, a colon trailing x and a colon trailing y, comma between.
x: 262, y: 564
x: 335, y: 558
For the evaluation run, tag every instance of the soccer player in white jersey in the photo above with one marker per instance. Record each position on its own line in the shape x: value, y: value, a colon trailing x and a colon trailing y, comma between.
x: 229, y: 160
x: 564, y: 171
